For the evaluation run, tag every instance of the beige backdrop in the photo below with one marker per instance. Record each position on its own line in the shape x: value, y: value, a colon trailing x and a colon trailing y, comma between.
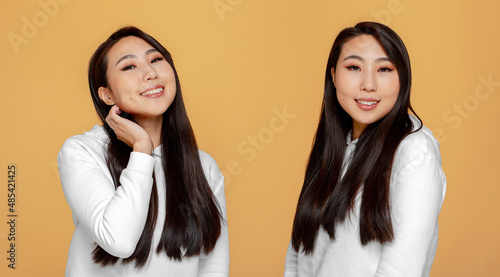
x: 252, y: 75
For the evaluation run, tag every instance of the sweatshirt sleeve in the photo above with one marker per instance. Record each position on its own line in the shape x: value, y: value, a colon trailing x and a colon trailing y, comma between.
x: 417, y: 193
x: 216, y: 263
x: 291, y: 262
x: 113, y: 218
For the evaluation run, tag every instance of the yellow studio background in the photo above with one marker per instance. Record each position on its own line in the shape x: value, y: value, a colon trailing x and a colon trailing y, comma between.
x: 252, y: 76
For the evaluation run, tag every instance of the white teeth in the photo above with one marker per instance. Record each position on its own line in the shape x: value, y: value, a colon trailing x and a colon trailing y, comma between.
x: 369, y: 103
x: 153, y: 91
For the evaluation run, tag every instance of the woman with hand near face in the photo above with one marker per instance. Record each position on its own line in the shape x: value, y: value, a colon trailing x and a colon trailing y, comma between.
x: 373, y: 186
x: 145, y: 200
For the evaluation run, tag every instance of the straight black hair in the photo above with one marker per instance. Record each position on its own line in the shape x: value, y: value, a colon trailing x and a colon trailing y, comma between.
x: 327, y: 198
x: 193, y: 216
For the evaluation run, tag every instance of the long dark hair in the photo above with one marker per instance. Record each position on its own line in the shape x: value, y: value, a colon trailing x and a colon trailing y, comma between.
x: 193, y: 218
x: 327, y: 199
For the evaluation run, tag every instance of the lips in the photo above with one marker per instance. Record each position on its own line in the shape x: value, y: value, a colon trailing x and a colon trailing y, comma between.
x: 367, y: 104
x: 153, y: 91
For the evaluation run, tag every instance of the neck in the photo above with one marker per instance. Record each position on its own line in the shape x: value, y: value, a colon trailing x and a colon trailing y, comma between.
x: 357, y: 129
x: 152, y: 126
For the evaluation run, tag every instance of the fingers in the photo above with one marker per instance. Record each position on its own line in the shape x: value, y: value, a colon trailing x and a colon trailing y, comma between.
x: 118, y: 124
x: 113, y: 114
x: 128, y: 131
x: 113, y: 119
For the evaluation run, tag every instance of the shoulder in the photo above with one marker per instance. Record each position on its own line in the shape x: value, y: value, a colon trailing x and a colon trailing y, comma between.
x: 93, y: 141
x: 417, y: 172
x: 418, y: 144
x: 94, y: 136
x: 213, y: 174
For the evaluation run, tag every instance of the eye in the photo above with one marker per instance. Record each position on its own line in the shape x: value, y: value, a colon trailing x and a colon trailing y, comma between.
x: 353, y: 67
x: 157, y: 59
x: 385, y: 69
x: 128, y: 67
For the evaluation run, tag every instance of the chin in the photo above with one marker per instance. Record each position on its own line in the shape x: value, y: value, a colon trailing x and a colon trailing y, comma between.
x: 365, y: 121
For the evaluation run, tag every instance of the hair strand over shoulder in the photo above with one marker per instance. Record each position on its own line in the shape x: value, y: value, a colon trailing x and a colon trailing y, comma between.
x: 327, y: 197
x: 193, y: 217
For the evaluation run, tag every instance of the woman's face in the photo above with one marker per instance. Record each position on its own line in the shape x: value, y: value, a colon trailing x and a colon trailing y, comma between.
x: 367, y: 82
x: 140, y: 81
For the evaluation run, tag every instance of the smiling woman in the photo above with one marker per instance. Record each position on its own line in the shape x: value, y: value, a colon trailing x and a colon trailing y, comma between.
x: 366, y: 80
x: 145, y: 200
x: 140, y: 81
x: 373, y: 186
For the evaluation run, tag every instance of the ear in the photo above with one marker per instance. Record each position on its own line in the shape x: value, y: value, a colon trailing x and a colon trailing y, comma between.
x: 106, y: 96
x: 333, y: 75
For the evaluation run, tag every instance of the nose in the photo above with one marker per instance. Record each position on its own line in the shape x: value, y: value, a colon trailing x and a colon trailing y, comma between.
x: 150, y: 73
x: 368, y: 82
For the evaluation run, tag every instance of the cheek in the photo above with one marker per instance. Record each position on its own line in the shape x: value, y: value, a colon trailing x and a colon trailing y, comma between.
x: 394, y: 86
x: 395, y: 93
x: 343, y: 92
x: 341, y: 98
x: 166, y: 70
x: 122, y: 89
x: 392, y: 98
x: 389, y: 89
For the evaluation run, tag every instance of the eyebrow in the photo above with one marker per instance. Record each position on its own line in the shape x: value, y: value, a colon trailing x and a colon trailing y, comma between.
x: 131, y: 56
x: 356, y: 57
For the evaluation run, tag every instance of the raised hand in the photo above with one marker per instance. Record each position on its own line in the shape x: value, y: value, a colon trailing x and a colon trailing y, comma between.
x: 129, y: 132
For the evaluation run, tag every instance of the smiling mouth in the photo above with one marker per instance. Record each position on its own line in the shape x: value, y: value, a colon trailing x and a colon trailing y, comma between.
x: 367, y: 103
x: 151, y: 92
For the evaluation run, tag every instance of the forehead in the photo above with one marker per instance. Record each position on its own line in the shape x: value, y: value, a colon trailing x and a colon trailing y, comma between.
x: 126, y: 46
x: 364, y: 46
